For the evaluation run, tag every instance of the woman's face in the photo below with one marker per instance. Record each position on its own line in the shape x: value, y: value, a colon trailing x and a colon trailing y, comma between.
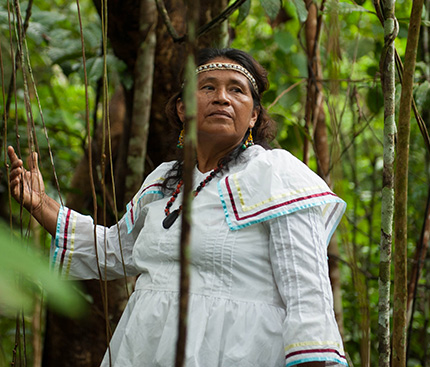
x: 225, y: 108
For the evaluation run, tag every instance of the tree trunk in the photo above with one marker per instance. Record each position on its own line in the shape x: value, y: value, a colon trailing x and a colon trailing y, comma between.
x: 387, y: 66
x: 401, y: 190
x: 143, y: 78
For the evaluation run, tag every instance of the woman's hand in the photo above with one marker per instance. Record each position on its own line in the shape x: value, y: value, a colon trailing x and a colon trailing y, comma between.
x: 28, y: 187
x: 29, y: 184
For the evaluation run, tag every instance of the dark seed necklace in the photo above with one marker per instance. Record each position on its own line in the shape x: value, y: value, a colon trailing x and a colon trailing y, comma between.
x: 171, y: 217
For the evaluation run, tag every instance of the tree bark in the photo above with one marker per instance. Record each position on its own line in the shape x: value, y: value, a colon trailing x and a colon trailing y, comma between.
x: 401, y: 189
x: 387, y: 66
x: 143, y: 80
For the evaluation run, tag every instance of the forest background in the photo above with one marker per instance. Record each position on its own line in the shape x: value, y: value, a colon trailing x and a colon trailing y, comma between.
x: 325, y: 61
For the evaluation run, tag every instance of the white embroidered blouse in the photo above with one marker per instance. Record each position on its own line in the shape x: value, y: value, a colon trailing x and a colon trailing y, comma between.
x: 260, y: 293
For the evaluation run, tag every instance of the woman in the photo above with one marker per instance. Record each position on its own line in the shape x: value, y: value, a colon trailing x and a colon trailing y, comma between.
x: 261, y: 220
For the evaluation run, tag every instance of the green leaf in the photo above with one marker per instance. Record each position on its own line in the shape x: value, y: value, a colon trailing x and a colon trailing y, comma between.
x: 285, y: 40
x: 271, y: 7
x: 365, y: 47
x: 302, y: 12
x: 243, y: 12
x: 23, y: 273
x: 344, y: 8
x: 375, y: 99
x: 422, y: 95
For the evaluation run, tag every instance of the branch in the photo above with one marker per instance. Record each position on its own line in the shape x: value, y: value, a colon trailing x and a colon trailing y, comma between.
x: 220, y: 18
x: 165, y: 16
x: 203, y: 29
x: 420, y: 121
x: 399, y: 67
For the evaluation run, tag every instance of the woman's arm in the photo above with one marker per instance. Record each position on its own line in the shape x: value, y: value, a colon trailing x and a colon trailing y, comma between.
x: 28, y: 187
x: 299, y: 262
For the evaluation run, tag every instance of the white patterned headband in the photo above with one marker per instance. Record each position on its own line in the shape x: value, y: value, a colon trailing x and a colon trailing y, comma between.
x: 228, y: 66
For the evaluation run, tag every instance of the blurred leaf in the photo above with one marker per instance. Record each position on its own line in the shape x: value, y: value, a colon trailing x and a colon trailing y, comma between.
x: 48, y: 18
x: 243, y: 12
x: 302, y: 12
x: 271, y: 7
x: 375, y: 99
x: 422, y: 96
x: 23, y: 272
x: 95, y: 68
x: 344, y: 8
x: 372, y: 70
x: 365, y: 47
x: 285, y: 41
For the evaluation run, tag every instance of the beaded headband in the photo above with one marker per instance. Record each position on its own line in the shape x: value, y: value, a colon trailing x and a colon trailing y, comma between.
x: 228, y: 66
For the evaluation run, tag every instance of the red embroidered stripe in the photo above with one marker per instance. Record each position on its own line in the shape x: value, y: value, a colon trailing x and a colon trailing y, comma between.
x: 132, y: 201
x: 131, y: 212
x: 147, y: 187
x: 66, y: 228
x: 292, y: 354
x: 270, y: 207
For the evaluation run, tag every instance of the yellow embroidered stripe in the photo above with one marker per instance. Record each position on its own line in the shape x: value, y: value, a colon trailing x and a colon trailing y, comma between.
x: 246, y: 208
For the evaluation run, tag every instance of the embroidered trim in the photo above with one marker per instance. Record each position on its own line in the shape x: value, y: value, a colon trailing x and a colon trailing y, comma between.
x: 298, y: 352
x: 131, y: 216
x: 339, y: 217
x: 284, y: 212
x: 66, y: 233
x: 57, y: 239
x: 72, y: 245
x: 318, y: 359
x: 302, y: 198
x: 246, y: 208
x: 336, y: 348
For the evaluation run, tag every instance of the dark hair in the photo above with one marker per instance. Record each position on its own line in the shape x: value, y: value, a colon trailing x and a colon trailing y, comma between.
x: 264, y: 129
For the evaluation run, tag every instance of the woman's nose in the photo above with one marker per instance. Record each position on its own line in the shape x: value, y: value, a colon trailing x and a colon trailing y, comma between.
x: 221, y: 96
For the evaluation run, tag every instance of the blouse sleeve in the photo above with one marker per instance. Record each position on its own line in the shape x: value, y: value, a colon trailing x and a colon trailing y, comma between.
x: 74, y: 255
x: 299, y: 260
x: 74, y: 251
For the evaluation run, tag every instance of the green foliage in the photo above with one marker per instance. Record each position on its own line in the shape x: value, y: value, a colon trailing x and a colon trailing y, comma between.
x: 23, y: 273
x: 243, y: 11
x: 422, y: 96
x: 302, y: 12
x: 271, y: 7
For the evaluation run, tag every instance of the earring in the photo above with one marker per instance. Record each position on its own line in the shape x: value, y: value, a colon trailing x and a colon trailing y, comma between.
x: 249, y: 141
x: 180, y: 144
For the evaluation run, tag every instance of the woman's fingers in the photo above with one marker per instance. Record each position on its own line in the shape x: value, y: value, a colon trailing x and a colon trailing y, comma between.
x: 14, y: 160
x: 12, y: 155
x: 18, y: 175
x: 16, y: 167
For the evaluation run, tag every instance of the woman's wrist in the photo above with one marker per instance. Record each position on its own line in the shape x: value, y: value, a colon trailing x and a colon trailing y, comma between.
x: 46, y: 213
x: 36, y: 208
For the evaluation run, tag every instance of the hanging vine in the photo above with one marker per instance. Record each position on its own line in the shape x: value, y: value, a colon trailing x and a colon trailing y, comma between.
x: 189, y: 163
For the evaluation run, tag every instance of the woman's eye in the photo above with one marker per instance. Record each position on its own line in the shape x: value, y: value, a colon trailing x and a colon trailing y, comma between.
x: 237, y: 89
x: 208, y: 87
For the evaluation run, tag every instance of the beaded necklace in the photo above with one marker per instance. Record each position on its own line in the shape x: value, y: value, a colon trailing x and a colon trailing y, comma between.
x: 171, y: 217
